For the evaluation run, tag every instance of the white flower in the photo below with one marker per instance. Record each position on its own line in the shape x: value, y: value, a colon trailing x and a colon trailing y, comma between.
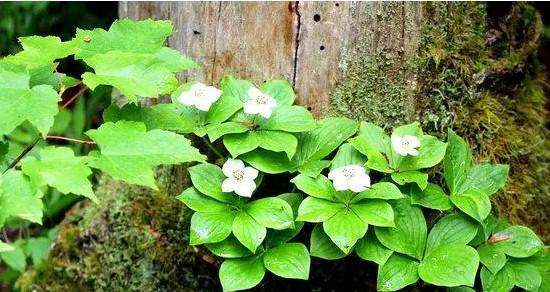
x: 259, y: 103
x: 200, y: 96
x: 350, y: 177
x: 240, y: 179
x: 405, y: 145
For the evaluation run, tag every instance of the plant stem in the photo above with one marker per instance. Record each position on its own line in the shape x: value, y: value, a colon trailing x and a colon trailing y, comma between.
x: 70, y: 139
x: 218, y: 153
x: 75, y: 96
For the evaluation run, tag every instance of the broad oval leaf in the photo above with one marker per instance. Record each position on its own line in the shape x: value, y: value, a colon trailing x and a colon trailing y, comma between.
x: 519, y: 242
x: 317, y: 210
x: 491, y: 257
x: 320, y: 187
x: 450, y: 265
x: 321, y: 245
x: 347, y: 155
x: 249, y: 232
x: 289, y: 119
x: 430, y: 153
x: 474, y: 203
x: 201, y: 203
x: 488, y: 178
x: 229, y: 248
x: 208, y: 178
x: 526, y: 276
x: 411, y: 176
x: 210, y: 227
x: 381, y: 190
x: 374, y: 212
x: 396, y: 273
x: 241, y: 274
x: 280, y: 90
x: 458, y: 160
x: 432, y: 197
x: 344, y: 229
x: 503, y: 281
x: 272, y: 213
x: 451, y: 229
x: 370, y: 249
x: 288, y: 260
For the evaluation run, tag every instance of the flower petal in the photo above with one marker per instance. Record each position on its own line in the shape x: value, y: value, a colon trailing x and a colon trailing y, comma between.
x: 187, y: 98
x: 231, y: 165
x: 265, y: 111
x: 245, y: 188
x: 250, y: 173
x: 341, y: 184
x: 271, y: 102
x: 251, y: 107
x: 228, y: 185
x: 203, y: 104
x: 413, y: 141
x: 412, y: 152
x: 336, y: 174
x: 253, y: 92
x: 212, y: 94
x: 397, y: 145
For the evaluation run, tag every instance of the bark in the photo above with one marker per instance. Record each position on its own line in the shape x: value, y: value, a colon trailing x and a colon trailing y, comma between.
x: 468, y: 66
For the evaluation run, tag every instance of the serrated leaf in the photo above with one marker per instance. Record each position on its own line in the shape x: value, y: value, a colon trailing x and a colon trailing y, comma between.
x: 19, y: 102
x: 344, y: 229
x: 451, y: 229
x: 39, y: 51
x: 432, y: 197
x: 411, y: 176
x: 19, y: 198
x: 321, y: 245
x: 274, y: 213
x: 374, y: 212
x: 241, y: 274
x: 410, y: 231
x: 210, y: 227
x: 491, y: 257
x: 249, y: 232
x: 320, y: 187
x: 450, y: 265
x: 60, y: 169
x: 520, y: 242
x: 288, y: 260
x: 128, y: 152
x: 201, y: 203
x: 317, y: 210
x: 229, y: 248
x: 396, y: 273
x: 133, y: 74
x: 474, y: 203
x: 370, y: 249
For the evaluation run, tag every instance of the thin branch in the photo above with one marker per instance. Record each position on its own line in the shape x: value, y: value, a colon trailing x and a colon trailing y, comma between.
x: 213, y: 148
x: 207, y: 257
x: 75, y: 96
x: 70, y: 139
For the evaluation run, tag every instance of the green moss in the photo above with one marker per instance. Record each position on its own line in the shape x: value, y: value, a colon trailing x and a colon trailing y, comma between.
x: 134, y: 240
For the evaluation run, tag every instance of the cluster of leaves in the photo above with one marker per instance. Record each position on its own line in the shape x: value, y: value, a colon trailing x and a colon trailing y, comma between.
x: 384, y: 223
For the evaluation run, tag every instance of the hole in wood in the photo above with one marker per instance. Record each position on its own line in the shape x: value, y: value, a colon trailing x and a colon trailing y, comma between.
x: 309, y: 108
x: 316, y: 17
x: 195, y: 32
x: 336, y: 4
x: 321, y: 48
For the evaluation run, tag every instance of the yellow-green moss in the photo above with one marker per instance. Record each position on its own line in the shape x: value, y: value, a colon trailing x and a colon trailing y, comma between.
x: 135, y: 240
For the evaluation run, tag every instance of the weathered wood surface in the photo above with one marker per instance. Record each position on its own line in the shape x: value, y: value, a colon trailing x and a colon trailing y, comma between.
x: 307, y: 43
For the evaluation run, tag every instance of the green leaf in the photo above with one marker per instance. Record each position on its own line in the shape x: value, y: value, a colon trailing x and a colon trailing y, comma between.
x: 458, y: 159
x: 450, y: 265
x: 370, y: 249
x: 503, y: 281
x: 344, y: 229
x: 277, y: 237
x: 317, y: 210
x: 455, y: 229
x: 161, y: 116
x: 430, y: 153
x: 488, y: 178
x: 38, y: 249
x: 322, y: 246
x: 381, y: 190
x: 229, y: 248
x: 289, y: 260
x: 491, y: 257
x: 59, y: 168
x: 269, y: 161
x: 411, y: 176
x: 526, y: 276
x: 280, y: 90
x: 249, y: 232
x: 313, y: 168
x: 15, y: 259
x: 374, y: 212
x: 215, y: 131
x: 272, y: 213
x: 289, y: 119
x: 320, y: 187
x: 210, y: 227
x: 235, y: 92
x: 276, y: 141
x: 376, y: 160
x: 208, y: 178
x: 201, y: 203
x: 133, y: 74
x: 39, y: 51
x: 521, y: 242
x: 347, y: 155
x: 128, y: 151
x: 19, y: 198
x: 19, y: 102
x: 474, y: 203
x: 375, y: 136
x: 409, y: 234
x: 396, y: 273
x: 5, y: 247
x: 241, y: 274
x: 432, y: 197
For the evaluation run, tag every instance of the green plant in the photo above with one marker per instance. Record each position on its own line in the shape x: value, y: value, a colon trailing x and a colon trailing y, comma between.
x: 251, y: 214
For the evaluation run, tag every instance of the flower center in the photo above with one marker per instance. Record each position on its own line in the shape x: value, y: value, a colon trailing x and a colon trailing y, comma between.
x: 261, y: 99
x: 199, y: 93
x: 238, y: 174
x: 406, y: 144
x: 348, y: 173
